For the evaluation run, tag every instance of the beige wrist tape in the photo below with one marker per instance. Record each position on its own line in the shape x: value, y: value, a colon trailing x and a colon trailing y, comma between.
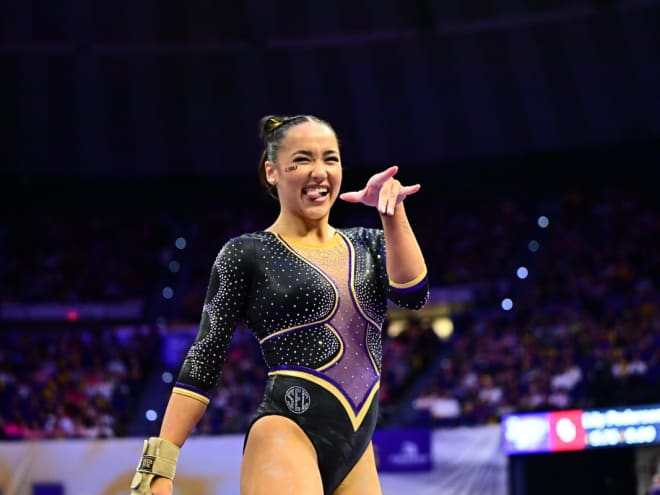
x: 159, y: 458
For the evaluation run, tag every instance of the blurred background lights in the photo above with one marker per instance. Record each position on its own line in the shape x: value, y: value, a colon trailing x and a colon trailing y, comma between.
x: 174, y: 266
x: 72, y: 315
x: 168, y: 293
x: 507, y: 304
x: 522, y: 272
x: 443, y: 327
x: 396, y: 327
x: 543, y: 221
x: 533, y: 246
x: 151, y: 415
x: 167, y: 377
x: 180, y: 243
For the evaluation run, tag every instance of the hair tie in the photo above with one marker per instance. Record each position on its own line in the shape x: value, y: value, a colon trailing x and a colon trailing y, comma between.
x: 273, y: 123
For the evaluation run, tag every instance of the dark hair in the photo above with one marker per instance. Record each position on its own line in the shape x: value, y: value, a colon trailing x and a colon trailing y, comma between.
x: 272, y: 131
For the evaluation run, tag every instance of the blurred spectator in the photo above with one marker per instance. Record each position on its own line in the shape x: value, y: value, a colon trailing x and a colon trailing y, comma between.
x: 80, y: 382
x: 584, y: 330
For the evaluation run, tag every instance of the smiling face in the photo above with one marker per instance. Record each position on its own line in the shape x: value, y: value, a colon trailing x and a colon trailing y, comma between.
x: 307, y: 171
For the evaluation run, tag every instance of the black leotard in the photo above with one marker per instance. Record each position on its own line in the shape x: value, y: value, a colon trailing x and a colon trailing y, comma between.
x: 317, y: 312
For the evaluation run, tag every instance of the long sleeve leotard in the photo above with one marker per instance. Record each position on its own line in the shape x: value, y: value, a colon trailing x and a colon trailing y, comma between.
x: 316, y: 311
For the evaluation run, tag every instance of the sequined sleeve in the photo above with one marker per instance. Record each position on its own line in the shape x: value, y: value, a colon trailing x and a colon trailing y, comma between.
x: 411, y: 295
x: 224, y: 306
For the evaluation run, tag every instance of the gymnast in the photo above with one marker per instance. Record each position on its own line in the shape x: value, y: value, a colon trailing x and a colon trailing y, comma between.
x: 315, y: 297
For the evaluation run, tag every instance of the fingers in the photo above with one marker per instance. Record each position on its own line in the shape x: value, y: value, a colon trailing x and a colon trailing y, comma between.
x: 377, y: 180
x: 408, y: 190
x: 382, y: 191
x: 352, y: 197
x: 385, y: 203
x: 392, y: 193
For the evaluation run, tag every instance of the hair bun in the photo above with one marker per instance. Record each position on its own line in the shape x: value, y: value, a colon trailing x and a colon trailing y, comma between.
x: 268, y: 124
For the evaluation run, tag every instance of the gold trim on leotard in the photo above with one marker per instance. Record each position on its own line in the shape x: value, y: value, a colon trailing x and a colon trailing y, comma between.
x: 189, y: 393
x: 356, y: 419
x: 413, y: 282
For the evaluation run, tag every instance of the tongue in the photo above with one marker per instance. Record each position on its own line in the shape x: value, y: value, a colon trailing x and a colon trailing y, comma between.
x: 313, y: 194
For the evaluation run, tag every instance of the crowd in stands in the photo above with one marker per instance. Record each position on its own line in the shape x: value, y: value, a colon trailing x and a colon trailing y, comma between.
x: 81, y: 257
x: 584, y: 330
x: 76, y: 382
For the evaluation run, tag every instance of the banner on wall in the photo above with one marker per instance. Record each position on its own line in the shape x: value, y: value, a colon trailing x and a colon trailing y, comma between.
x: 403, y: 450
x: 459, y: 461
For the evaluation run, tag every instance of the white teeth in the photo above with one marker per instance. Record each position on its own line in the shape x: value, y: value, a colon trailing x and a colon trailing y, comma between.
x: 323, y: 191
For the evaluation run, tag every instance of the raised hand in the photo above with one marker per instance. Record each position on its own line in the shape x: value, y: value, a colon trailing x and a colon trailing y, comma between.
x: 382, y: 191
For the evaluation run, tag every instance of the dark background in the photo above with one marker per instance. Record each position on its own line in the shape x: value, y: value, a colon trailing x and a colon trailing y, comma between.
x: 151, y: 106
x: 154, y: 92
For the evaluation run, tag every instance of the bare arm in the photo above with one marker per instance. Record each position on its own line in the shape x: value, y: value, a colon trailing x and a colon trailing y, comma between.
x: 181, y: 416
x: 405, y: 261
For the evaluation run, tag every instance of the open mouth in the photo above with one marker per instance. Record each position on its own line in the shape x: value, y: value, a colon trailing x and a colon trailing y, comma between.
x: 316, y: 192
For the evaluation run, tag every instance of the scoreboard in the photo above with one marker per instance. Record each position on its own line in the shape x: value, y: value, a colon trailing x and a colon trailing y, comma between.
x: 578, y: 429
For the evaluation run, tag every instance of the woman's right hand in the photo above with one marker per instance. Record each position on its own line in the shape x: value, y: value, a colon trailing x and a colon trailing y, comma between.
x: 162, y: 486
x: 156, y: 469
x: 381, y: 191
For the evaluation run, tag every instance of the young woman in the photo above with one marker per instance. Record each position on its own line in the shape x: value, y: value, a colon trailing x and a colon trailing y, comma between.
x: 315, y: 297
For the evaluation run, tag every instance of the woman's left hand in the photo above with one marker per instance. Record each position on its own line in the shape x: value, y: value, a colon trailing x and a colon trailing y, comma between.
x: 383, y: 191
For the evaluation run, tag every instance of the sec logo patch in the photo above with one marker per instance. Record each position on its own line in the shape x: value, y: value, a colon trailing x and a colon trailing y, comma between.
x: 297, y: 399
